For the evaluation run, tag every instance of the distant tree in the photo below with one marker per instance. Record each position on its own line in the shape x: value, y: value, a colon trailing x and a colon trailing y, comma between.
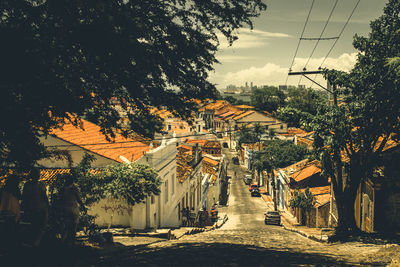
x: 268, y: 98
x: 304, y: 100
x: 303, y: 200
x: 60, y: 59
x: 250, y: 135
x: 281, y: 153
x: 293, y: 116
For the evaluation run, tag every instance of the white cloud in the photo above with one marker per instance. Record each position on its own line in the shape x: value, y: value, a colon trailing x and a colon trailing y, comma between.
x: 231, y: 58
x: 273, y: 74
x: 250, y: 39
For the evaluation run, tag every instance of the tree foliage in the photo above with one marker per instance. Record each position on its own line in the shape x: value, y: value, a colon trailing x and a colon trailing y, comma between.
x: 268, y: 98
x: 351, y: 137
x: 303, y: 200
x: 250, y: 135
x: 61, y: 59
x: 293, y: 116
x: 280, y: 154
x: 131, y: 182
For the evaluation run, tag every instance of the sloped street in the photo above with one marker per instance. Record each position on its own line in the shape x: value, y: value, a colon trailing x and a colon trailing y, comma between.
x: 244, y: 240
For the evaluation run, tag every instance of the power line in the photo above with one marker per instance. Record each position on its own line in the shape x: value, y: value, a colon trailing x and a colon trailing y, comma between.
x: 340, y: 34
x: 322, y: 32
x: 298, y: 44
x: 319, y: 38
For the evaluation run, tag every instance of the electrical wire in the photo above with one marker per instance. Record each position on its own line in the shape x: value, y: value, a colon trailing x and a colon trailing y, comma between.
x: 340, y: 34
x: 298, y: 44
x: 319, y: 38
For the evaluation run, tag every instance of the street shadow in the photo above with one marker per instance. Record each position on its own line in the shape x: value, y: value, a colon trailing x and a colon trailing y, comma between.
x: 217, y: 254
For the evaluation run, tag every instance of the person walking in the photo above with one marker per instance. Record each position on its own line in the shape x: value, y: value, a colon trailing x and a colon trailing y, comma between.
x: 36, y: 206
x: 71, y: 201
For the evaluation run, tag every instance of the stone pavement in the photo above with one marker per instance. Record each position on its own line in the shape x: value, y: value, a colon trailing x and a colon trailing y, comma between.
x: 290, y: 223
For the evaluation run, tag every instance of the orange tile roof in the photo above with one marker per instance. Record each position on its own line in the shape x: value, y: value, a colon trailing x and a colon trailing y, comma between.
x: 183, y: 168
x: 210, y: 161
x: 304, y: 141
x: 305, y: 173
x: 184, y: 148
x: 320, y: 190
x: 293, y: 131
x: 322, y: 199
x: 244, y: 107
x: 296, y: 165
x: 212, y: 144
x: 91, y: 139
x: 226, y: 114
x: 201, y: 142
x: 244, y: 115
x: 214, y: 106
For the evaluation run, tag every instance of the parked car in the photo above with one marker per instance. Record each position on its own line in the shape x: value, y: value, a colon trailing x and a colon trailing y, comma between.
x: 225, y: 145
x: 235, y: 160
x: 255, y: 192
x: 272, y: 217
x: 247, y: 179
x: 253, y: 186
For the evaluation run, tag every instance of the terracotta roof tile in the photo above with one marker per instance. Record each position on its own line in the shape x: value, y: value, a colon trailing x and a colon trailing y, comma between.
x: 183, y: 168
x: 306, y: 173
x: 201, y: 142
x: 91, y: 138
x: 245, y: 114
x: 244, y: 107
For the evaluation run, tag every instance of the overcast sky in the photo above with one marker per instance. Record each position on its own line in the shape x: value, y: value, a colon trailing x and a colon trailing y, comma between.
x: 263, y: 56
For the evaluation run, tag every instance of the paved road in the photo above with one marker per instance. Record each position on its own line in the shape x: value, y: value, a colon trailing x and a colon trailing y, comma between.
x: 246, y: 241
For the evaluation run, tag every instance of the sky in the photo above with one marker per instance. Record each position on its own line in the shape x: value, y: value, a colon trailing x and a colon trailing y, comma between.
x: 263, y: 55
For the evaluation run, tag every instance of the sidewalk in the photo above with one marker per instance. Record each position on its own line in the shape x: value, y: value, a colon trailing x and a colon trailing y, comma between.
x: 290, y: 223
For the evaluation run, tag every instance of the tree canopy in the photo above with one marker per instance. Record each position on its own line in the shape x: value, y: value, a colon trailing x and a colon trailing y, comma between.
x: 268, y: 98
x: 351, y: 137
x: 280, y: 154
x: 61, y: 59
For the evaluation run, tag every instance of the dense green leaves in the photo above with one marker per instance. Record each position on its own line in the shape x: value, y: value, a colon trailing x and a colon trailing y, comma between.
x: 303, y: 200
x: 268, y: 98
x: 131, y: 182
x: 65, y: 58
x: 279, y: 154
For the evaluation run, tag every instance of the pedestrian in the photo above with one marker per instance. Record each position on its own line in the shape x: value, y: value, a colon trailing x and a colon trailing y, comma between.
x: 214, y: 213
x: 192, y: 217
x: 36, y: 206
x: 10, y: 210
x: 71, y: 200
x: 184, y: 217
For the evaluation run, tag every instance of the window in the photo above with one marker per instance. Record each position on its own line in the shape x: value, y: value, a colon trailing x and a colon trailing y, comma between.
x: 169, y: 127
x: 152, y: 199
x: 281, y: 127
x: 172, y: 184
x: 266, y: 127
x: 166, y: 191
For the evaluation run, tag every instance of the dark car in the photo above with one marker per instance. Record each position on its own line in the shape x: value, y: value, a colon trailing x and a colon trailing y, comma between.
x: 235, y: 160
x: 225, y: 145
x: 253, y: 186
x: 247, y: 179
x: 273, y: 217
x: 255, y: 192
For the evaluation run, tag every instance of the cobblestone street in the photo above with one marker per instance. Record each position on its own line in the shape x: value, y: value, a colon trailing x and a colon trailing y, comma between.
x: 244, y: 240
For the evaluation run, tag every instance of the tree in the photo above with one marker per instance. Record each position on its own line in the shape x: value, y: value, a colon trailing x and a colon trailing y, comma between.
x: 268, y: 98
x: 304, y: 100
x: 293, y: 116
x: 131, y: 183
x: 350, y: 138
x: 61, y: 59
x: 247, y: 135
x: 281, y: 153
